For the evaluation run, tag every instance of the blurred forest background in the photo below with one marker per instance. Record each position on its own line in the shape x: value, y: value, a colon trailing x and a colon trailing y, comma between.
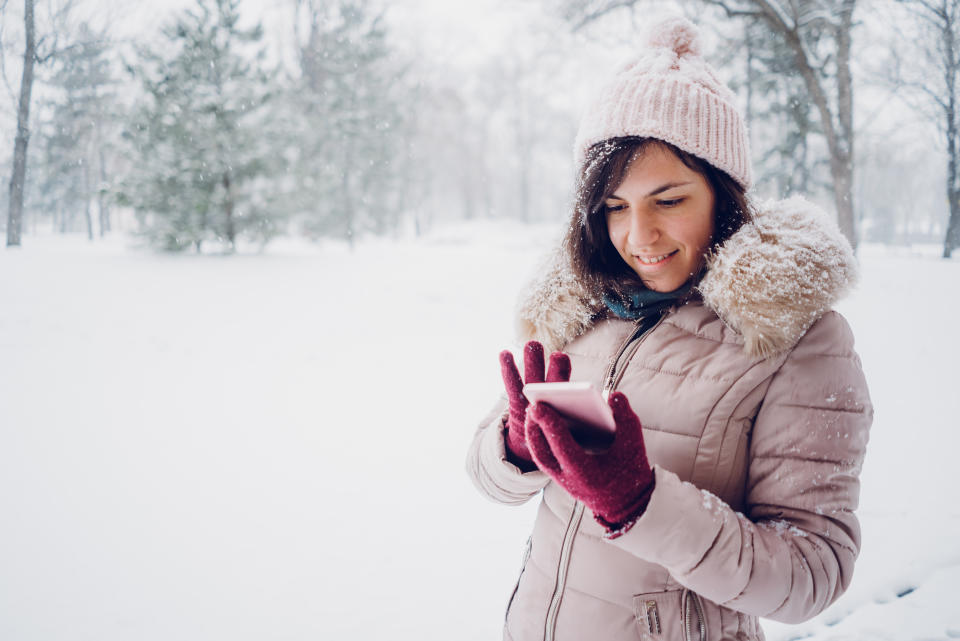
x: 213, y: 125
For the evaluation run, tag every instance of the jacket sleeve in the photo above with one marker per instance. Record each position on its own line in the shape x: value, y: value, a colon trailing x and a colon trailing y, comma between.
x: 487, y: 465
x: 791, y: 552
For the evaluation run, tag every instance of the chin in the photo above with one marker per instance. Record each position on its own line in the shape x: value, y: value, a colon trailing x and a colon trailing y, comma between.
x: 658, y: 288
x: 663, y: 286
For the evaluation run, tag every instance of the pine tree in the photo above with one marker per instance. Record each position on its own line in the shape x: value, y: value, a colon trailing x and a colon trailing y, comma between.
x: 76, y: 140
x: 346, y: 165
x: 201, y: 148
x: 779, y: 113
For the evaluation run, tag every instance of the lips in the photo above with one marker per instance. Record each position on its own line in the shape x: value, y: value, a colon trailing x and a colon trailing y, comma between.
x: 654, y: 260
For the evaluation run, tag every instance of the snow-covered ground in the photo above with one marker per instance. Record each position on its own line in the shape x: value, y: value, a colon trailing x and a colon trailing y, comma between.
x: 271, y: 446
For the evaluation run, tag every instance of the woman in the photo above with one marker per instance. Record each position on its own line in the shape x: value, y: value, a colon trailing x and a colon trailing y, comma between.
x: 728, y: 492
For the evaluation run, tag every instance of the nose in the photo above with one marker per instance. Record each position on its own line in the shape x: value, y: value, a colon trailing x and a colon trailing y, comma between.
x: 644, y: 231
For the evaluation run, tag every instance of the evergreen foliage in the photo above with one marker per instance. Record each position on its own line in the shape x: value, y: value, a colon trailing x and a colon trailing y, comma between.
x: 779, y: 114
x: 200, y: 140
x: 75, y: 139
x: 347, y: 171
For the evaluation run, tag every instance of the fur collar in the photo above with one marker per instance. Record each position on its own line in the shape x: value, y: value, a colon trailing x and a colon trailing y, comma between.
x: 769, y: 282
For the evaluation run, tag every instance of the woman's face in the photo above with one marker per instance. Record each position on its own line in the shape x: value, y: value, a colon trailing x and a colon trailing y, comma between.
x: 660, y: 219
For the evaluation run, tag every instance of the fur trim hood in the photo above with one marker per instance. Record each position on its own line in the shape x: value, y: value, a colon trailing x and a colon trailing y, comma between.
x: 769, y: 282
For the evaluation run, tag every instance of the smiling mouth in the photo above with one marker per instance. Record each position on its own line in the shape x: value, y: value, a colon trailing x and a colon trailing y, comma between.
x: 654, y: 260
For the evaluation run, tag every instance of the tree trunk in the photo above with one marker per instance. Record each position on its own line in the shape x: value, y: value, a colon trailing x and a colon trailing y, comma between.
x: 348, y: 207
x: 839, y: 133
x: 952, y: 239
x: 953, y: 229
x: 15, y: 214
x: 843, y: 174
x: 102, y: 208
x: 231, y: 228
x: 841, y: 170
x: 87, y: 199
x: 345, y: 197
x: 837, y: 123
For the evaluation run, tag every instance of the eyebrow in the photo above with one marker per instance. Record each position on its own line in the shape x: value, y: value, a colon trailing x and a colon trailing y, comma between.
x: 658, y: 190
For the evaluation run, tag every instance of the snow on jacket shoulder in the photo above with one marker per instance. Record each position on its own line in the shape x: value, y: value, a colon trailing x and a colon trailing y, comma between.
x: 755, y: 415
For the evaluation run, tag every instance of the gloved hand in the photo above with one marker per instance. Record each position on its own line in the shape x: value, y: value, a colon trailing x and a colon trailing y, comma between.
x: 533, y: 367
x: 615, y: 484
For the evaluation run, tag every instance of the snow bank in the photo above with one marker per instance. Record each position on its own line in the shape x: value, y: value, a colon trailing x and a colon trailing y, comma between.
x: 271, y: 446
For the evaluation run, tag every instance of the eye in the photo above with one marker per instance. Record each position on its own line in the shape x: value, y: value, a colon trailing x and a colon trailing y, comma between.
x: 614, y: 208
x: 670, y: 202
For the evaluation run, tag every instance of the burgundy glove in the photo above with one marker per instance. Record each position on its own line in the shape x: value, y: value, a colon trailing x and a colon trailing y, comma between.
x: 533, y: 367
x: 615, y: 484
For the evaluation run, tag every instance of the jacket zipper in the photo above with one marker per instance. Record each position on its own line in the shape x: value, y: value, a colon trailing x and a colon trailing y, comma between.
x: 572, y: 526
x: 690, y: 597
x: 611, y: 380
x: 636, y: 338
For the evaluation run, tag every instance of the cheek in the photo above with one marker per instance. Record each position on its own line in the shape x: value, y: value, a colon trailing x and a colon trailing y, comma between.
x: 699, y: 232
x: 616, y: 230
x: 706, y: 234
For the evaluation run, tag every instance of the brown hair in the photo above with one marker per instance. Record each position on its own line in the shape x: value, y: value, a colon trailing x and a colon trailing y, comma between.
x: 593, y: 258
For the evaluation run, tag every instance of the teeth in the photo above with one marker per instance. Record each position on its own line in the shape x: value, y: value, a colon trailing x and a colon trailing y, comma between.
x: 650, y: 261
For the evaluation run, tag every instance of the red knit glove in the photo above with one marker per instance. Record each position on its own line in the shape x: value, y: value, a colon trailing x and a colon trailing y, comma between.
x: 615, y: 484
x: 533, y: 367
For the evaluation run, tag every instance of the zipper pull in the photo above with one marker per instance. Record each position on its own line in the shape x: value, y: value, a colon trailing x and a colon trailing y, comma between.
x: 652, y: 616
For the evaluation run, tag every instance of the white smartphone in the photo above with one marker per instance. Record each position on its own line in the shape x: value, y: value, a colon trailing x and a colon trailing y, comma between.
x: 580, y: 401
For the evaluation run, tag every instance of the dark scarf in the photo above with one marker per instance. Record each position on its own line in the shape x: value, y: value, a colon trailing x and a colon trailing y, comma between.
x: 645, y: 302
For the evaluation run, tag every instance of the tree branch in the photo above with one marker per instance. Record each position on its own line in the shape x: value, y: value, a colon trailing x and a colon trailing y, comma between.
x: 3, y: 57
x: 735, y: 13
x: 590, y: 17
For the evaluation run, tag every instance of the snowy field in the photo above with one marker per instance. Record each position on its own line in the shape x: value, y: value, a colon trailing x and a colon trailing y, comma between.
x: 270, y: 447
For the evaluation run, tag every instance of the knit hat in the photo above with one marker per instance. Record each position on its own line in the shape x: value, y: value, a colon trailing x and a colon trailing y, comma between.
x: 669, y: 92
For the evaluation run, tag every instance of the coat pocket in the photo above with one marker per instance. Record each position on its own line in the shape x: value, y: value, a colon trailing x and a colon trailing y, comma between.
x: 673, y: 615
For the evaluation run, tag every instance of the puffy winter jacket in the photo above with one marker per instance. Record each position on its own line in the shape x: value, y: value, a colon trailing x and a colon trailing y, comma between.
x: 755, y: 415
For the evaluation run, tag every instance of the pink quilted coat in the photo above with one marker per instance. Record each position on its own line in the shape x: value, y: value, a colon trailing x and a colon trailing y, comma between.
x: 755, y: 414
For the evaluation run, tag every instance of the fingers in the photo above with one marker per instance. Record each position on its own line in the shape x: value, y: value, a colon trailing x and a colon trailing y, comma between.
x: 559, y: 368
x: 567, y: 452
x: 533, y: 362
x: 629, y: 434
x: 511, y: 376
x: 621, y: 408
x: 540, y: 449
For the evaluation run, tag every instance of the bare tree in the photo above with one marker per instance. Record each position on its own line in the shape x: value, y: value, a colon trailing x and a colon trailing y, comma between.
x: 36, y: 51
x: 17, y: 178
x: 818, y: 32
x: 778, y: 112
x: 580, y: 13
x: 935, y: 84
x: 819, y: 35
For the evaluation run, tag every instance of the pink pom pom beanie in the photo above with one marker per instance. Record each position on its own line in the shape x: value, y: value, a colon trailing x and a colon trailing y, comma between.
x: 669, y: 92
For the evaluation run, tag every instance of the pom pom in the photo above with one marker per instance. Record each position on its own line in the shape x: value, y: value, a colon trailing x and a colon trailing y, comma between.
x: 675, y: 33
